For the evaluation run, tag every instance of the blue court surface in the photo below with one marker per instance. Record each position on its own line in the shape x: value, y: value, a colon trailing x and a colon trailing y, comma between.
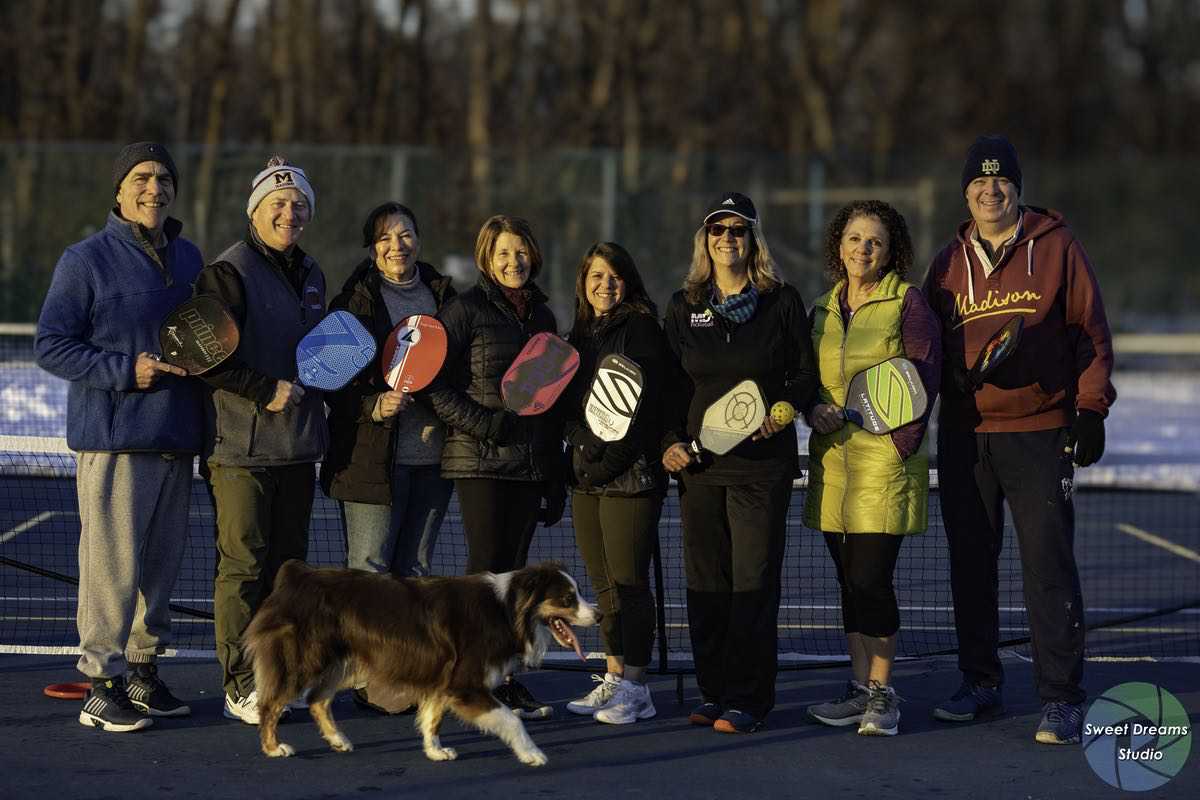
x: 48, y: 754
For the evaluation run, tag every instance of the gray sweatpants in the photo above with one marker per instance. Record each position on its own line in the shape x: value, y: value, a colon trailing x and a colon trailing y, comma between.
x: 133, y: 510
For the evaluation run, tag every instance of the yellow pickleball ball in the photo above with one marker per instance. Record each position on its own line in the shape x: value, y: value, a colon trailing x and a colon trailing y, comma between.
x: 782, y: 413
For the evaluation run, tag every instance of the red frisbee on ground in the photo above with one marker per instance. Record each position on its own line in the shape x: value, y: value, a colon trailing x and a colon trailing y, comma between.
x: 67, y: 691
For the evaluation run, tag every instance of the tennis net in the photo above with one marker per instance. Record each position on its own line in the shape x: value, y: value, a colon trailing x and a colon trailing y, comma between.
x: 1137, y: 542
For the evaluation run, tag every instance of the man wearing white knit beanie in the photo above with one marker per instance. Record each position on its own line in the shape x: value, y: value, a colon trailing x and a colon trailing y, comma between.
x: 268, y: 432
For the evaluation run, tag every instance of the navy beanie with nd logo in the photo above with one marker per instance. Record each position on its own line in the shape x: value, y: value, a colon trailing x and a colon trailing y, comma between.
x: 992, y: 157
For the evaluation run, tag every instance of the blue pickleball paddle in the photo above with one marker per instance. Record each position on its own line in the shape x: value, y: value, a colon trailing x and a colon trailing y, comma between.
x: 333, y: 352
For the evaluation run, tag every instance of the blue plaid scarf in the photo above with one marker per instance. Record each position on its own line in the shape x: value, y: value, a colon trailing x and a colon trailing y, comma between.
x: 738, y: 307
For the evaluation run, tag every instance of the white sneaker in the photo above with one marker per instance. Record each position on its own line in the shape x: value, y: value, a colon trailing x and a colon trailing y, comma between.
x: 598, y: 697
x: 246, y: 708
x: 631, y: 703
x: 243, y: 708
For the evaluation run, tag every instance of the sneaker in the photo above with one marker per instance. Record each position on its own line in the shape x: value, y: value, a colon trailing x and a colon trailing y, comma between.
x: 846, y: 710
x: 151, y: 696
x: 734, y: 721
x: 970, y: 701
x: 514, y: 695
x: 1061, y: 723
x: 705, y: 714
x: 631, y: 703
x: 243, y: 707
x: 600, y: 696
x: 882, y: 715
x: 107, y: 707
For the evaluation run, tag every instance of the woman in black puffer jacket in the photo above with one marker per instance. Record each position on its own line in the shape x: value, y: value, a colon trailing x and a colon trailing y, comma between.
x: 618, y: 485
x: 502, y: 465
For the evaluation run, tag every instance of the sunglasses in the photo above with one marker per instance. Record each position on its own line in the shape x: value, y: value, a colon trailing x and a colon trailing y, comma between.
x: 717, y: 230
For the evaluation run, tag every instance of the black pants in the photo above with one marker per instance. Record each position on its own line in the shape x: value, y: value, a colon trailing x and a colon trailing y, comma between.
x: 616, y: 536
x: 1032, y: 471
x: 865, y: 564
x: 733, y: 540
x: 498, y: 519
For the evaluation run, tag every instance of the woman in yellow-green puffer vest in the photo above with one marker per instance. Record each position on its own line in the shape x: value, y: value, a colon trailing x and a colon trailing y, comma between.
x: 865, y: 491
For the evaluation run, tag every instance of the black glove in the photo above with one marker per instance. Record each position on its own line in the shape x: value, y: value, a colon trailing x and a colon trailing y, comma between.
x: 583, y: 477
x: 501, y: 426
x: 962, y: 379
x: 553, y: 504
x: 591, y: 446
x: 594, y: 451
x: 1088, y: 435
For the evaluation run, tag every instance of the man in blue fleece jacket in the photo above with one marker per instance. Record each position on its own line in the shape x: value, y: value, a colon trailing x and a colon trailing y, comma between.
x: 136, y: 423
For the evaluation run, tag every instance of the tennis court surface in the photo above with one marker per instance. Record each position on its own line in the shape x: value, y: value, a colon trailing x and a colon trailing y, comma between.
x: 48, y: 754
x: 1138, y: 543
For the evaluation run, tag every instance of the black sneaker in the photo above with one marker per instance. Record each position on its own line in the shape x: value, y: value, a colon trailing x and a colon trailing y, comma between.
x: 1061, y: 723
x: 151, y: 696
x: 734, y: 721
x: 522, y: 701
x: 706, y: 714
x: 107, y: 707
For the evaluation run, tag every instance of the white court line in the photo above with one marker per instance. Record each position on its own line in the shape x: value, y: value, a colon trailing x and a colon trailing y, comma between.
x: 174, y: 620
x: 46, y: 650
x: 1003, y: 609
x: 1158, y: 541
x: 1012, y: 628
x: 32, y: 522
x: 680, y: 606
x: 54, y: 650
x: 72, y: 599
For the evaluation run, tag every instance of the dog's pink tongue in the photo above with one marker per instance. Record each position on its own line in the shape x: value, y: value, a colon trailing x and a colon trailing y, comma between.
x: 570, y: 636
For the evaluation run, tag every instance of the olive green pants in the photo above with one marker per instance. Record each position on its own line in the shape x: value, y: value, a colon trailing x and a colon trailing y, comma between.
x: 262, y: 521
x: 616, y: 536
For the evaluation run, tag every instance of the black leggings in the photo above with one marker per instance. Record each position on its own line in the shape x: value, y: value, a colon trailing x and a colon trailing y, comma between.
x: 865, y: 564
x: 616, y: 536
x: 499, y: 518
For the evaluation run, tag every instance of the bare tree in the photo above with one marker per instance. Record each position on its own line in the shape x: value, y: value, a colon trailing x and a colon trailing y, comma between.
x: 479, y: 142
x: 140, y: 16
x: 219, y: 48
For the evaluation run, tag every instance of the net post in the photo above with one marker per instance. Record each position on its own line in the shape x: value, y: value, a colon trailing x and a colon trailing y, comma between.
x: 660, y: 608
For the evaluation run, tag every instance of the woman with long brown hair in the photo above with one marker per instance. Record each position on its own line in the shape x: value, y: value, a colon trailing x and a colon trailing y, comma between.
x: 618, y: 486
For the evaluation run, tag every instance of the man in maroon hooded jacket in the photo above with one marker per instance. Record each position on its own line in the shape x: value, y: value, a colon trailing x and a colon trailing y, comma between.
x: 1019, y: 436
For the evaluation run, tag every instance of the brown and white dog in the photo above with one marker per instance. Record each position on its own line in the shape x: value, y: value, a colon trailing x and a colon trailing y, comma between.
x: 443, y: 643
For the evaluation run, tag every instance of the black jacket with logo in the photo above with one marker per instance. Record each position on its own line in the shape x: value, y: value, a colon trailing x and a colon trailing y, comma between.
x: 483, y: 337
x: 636, y: 335
x: 713, y: 354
